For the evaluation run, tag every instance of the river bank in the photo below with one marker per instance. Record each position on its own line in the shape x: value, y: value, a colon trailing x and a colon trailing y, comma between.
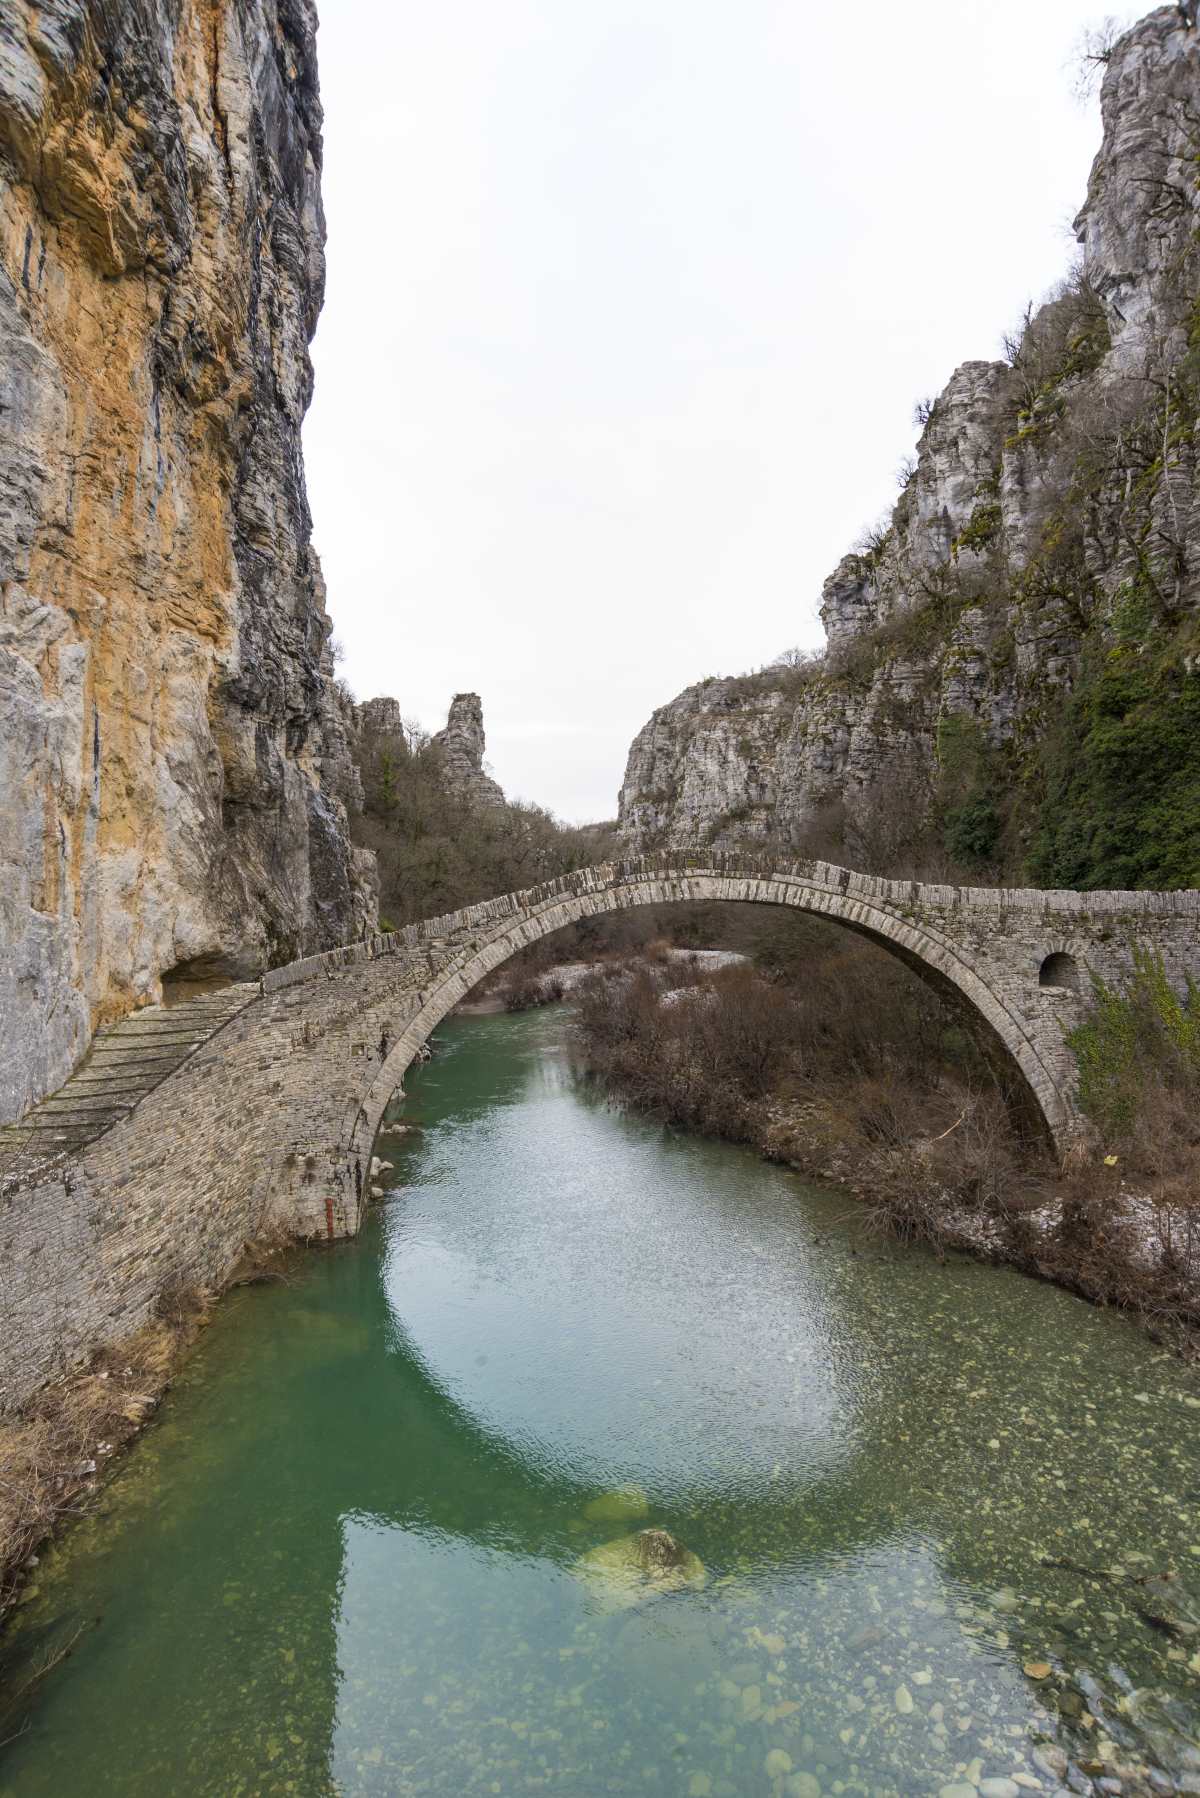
x: 56, y: 1452
x: 914, y: 1126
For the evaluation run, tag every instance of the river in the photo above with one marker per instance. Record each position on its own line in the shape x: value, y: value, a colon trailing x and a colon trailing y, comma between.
x: 366, y: 1547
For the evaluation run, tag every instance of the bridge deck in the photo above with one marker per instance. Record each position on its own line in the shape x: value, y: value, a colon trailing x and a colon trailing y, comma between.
x: 328, y: 1027
x: 124, y: 1063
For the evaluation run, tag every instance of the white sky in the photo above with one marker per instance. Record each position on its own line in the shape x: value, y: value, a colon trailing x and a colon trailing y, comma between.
x: 629, y: 302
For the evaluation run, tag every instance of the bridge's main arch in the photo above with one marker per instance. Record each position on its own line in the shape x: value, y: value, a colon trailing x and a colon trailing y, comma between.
x: 270, y: 1114
x: 934, y: 930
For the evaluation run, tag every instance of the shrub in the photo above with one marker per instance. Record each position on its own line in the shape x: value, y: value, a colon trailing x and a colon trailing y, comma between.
x: 1139, y: 1065
x: 972, y: 830
x: 968, y: 781
x: 1121, y: 806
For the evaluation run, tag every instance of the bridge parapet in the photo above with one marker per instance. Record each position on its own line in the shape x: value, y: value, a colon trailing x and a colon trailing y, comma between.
x: 991, y: 947
x: 277, y: 1115
x: 902, y: 896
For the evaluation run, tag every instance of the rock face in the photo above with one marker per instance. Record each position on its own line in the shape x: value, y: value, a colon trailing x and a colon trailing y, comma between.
x: 461, y: 745
x: 174, y: 768
x: 1012, y: 678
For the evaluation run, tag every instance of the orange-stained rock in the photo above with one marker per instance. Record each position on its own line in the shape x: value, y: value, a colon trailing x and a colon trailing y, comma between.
x: 173, y: 759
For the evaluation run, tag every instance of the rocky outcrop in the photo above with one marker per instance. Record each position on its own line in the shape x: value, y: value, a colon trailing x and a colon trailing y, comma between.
x: 1011, y: 675
x: 458, y: 749
x: 461, y: 745
x: 174, y: 767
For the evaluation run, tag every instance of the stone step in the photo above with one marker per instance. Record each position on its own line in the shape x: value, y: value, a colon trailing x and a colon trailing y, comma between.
x: 60, y: 1132
x: 126, y: 1061
x: 108, y: 1089
x: 155, y: 1036
x: 131, y: 1071
x: 124, y: 1064
x: 71, y: 1105
x: 148, y: 1074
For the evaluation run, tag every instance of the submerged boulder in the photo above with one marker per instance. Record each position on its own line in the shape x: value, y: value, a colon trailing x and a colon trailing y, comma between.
x: 658, y: 1552
x: 633, y: 1568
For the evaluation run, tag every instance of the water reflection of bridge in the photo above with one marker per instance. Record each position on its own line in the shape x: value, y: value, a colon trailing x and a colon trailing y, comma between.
x: 311, y: 1480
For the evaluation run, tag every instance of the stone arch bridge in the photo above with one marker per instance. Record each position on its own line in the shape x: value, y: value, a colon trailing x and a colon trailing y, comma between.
x: 1018, y: 959
x: 269, y: 1109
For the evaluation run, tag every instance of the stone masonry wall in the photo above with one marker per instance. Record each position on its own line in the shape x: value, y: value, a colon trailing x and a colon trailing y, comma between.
x: 274, y: 1116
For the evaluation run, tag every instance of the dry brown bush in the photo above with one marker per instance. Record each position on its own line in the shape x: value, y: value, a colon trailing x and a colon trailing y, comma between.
x: 928, y: 1187
x: 832, y: 1057
x: 886, y: 1081
x: 535, y: 989
x: 52, y: 1454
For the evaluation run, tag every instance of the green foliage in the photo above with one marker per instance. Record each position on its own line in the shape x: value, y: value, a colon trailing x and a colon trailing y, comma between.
x: 968, y: 782
x: 981, y: 530
x: 971, y: 831
x: 1121, y: 802
x: 1140, y: 1036
x: 1087, y: 347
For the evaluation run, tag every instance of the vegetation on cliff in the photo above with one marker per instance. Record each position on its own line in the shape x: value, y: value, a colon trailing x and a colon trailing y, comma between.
x: 1139, y: 1070
x: 1011, y: 685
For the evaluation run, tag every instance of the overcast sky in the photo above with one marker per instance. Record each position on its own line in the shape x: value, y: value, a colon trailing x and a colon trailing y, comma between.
x: 629, y: 302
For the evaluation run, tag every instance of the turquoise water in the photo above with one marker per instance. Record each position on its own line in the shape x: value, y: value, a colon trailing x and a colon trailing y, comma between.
x: 357, y: 1551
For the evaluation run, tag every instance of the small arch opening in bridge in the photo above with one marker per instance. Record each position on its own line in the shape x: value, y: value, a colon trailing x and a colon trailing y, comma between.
x: 1060, y: 970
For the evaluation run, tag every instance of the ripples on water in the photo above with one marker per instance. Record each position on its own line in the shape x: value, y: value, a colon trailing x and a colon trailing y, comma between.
x: 352, y: 1556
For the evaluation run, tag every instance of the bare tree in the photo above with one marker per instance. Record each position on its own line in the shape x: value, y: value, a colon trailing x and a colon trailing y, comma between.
x: 1094, y: 48
x: 873, y: 539
x: 1011, y: 342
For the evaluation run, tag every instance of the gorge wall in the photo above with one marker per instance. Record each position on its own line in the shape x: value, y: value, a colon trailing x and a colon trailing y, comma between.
x: 1011, y: 685
x: 174, y: 761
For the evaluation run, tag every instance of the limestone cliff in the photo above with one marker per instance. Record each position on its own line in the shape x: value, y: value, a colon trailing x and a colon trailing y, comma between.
x: 173, y: 755
x: 1012, y: 678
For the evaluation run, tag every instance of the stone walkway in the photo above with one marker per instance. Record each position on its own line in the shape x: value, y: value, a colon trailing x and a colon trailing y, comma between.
x: 125, y: 1062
